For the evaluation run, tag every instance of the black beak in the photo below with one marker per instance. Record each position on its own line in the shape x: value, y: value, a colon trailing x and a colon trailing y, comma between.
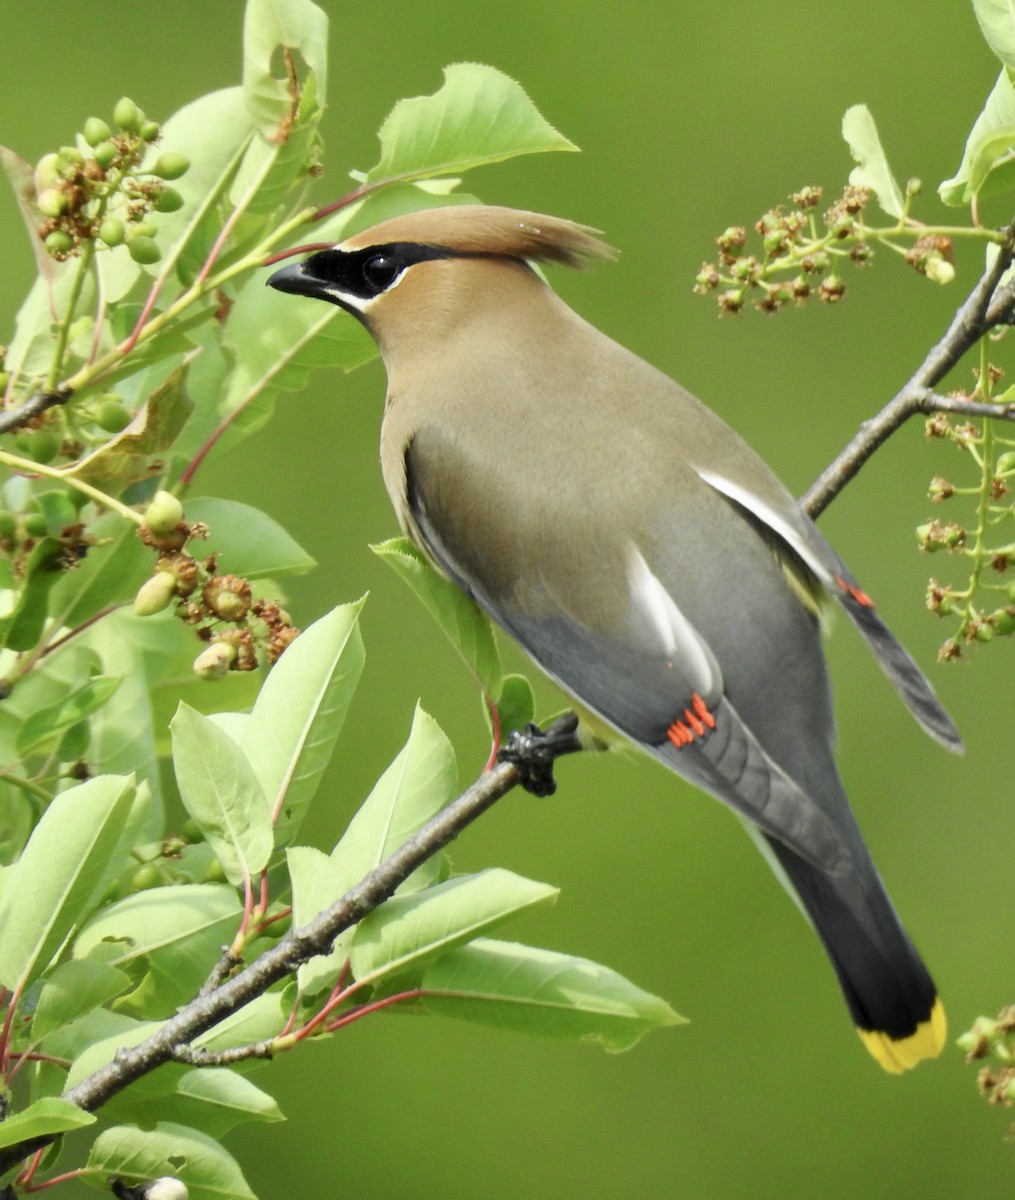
x: 292, y: 278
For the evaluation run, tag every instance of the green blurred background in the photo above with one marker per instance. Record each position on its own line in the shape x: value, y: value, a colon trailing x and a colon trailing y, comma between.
x: 690, y: 117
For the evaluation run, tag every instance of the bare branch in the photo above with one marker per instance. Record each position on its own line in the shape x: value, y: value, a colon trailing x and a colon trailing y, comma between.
x: 34, y: 406
x: 986, y: 307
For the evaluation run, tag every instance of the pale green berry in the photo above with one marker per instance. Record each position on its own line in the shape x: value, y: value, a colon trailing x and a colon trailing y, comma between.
x: 52, y: 202
x: 58, y: 242
x: 126, y: 114
x: 170, y: 166
x: 215, y: 661
x: 106, y: 154
x: 112, y: 414
x: 47, y: 171
x: 155, y: 594
x: 164, y: 512
x: 144, y: 250
x: 95, y: 130
x: 112, y: 231
x: 150, y: 130
x: 168, y: 200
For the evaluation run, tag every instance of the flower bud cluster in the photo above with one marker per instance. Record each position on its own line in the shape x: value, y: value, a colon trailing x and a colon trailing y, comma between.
x: 792, y: 244
x: 237, y: 628
x: 103, y: 190
x: 993, y: 1038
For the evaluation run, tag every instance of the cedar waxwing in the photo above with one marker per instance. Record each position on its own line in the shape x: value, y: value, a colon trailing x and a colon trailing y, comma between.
x: 638, y: 550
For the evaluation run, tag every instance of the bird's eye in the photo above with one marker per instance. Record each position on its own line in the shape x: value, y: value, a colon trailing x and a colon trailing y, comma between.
x: 380, y: 272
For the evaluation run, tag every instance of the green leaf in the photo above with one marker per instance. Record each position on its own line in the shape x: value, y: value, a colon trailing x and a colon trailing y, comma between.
x: 126, y: 458
x: 137, y: 1155
x: 419, y: 783
x: 246, y: 541
x: 22, y: 627
x: 73, y: 989
x: 407, y: 932
x: 44, y: 1118
x: 529, y: 990
x: 997, y: 24
x: 296, y: 25
x: 46, y: 725
x: 990, y: 140
x: 873, y: 172
x: 421, y: 780
x: 221, y: 792
x: 468, y: 628
x: 178, y: 930
x: 49, y: 890
x: 516, y: 705
x: 299, y: 714
x: 478, y: 116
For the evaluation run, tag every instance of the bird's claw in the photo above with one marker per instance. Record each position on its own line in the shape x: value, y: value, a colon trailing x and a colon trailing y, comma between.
x: 533, y: 751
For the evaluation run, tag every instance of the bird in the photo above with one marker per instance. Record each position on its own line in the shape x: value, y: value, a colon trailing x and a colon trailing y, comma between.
x: 638, y: 550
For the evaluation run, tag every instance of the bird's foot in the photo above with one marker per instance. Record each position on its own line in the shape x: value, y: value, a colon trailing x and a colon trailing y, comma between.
x: 533, y: 751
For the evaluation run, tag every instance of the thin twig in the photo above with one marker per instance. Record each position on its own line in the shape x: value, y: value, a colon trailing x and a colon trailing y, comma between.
x: 986, y: 307
x: 34, y: 406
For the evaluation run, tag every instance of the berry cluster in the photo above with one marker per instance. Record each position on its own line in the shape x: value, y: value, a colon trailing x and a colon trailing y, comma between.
x: 991, y: 556
x: 221, y: 608
x: 101, y: 193
x: 799, y: 253
x: 994, y: 1038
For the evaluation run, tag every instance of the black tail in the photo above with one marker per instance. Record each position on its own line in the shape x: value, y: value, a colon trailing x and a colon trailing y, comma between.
x: 889, y: 992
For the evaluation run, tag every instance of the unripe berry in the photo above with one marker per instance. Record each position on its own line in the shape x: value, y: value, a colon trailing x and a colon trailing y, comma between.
x: 58, y: 242
x: 168, y: 200
x: 112, y: 231
x: 8, y: 526
x: 163, y: 513
x: 34, y: 525
x: 106, y: 154
x: 1004, y: 621
x: 170, y: 166
x: 52, y: 202
x: 40, y: 446
x: 155, y: 594
x: 215, y: 661
x: 112, y: 414
x: 143, y: 250
x: 95, y: 130
x: 47, y: 172
x: 150, y: 130
x: 126, y: 114
x: 938, y: 270
x: 1005, y: 463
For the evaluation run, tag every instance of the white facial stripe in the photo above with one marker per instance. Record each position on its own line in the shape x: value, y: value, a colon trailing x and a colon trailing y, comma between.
x: 679, y: 638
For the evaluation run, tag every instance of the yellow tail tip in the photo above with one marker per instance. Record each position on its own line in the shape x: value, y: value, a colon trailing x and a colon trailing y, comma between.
x: 900, y: 1054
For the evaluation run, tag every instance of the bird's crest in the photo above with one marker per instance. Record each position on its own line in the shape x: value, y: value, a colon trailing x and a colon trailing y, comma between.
x: 487, y: 229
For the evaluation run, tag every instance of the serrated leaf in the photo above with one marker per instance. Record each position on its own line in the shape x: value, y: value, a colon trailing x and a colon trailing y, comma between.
x: 45, y: 725
x: 873, y: 172
x: 478, y: 116
x: 989, y: 139
x: 49, y: 889
x: 221, y: 792
x: 997, y: 24
x: 73, y: 989
x: 137, y: 1155
x: 468, y: 628
x: 126, y: 458
x: 247, y: 541
x: 529, y: 990
x: 408, y: 932
x: 45, y: 1117
x: 299, y: 714
x: 296, y: 25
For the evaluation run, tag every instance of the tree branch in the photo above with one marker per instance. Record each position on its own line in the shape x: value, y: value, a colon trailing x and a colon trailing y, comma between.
x: 34, y: 406
x: 171, y: 1041
x: 986, y: 307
